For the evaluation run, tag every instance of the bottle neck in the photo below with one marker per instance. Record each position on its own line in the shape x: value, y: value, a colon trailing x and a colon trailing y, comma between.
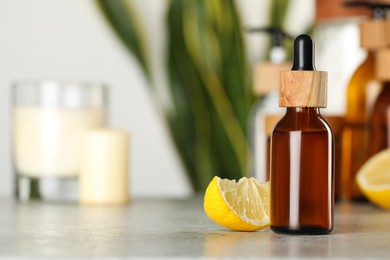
x: 303, y: 111
x: 303, y: 117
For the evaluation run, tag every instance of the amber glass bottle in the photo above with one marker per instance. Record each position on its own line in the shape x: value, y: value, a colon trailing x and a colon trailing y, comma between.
x: 362, y: 91
x: 302, y: 150
x: 380, y: 122
x: 380, y: 116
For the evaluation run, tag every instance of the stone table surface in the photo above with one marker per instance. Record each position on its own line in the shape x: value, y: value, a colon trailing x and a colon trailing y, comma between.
x: 165, y: 229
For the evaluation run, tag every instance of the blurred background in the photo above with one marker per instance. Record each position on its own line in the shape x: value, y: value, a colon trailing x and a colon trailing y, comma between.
x: 78, y: 40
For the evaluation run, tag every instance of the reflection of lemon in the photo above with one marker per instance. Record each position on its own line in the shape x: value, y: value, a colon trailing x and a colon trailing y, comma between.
x: 242, y: 205
x: 374, y: 179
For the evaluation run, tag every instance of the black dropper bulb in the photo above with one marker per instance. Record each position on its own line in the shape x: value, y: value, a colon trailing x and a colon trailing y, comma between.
x: 303, y: 53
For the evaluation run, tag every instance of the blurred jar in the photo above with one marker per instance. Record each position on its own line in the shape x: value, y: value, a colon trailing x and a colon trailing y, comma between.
x: 50, y: 120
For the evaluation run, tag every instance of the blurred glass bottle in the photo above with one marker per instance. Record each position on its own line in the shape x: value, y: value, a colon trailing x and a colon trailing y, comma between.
x: 380, y: 116
x: 362, y: 91
x: 266, y: 111
x: 50, y: 120
x: 336, y: 124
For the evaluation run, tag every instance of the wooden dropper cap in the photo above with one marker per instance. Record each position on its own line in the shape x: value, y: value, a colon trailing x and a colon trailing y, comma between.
x: 373, y: 34
x: 382, y: 65
x: 303, y: 86
x: 374, y: 31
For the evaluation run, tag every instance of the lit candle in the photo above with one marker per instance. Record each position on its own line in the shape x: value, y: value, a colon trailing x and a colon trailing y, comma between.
x: 105, y: 168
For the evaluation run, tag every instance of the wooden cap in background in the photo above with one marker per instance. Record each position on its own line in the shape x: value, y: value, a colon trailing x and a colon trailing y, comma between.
x: 374, y: 34
x: 382, y: 65
x: 267, y: 77
x: 387, y: 32
x: 303, y: 88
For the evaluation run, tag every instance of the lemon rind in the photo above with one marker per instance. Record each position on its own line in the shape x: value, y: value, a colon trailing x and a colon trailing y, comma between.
x: 361, y: 179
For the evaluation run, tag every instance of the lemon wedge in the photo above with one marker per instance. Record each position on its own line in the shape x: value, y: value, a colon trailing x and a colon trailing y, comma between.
x: 374, y: 179
x: 242, y: 205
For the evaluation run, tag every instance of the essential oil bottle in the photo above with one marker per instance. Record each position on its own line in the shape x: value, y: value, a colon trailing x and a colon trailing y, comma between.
x: 302, y: 150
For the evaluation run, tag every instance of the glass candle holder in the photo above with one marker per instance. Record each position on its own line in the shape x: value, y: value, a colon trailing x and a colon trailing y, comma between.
x: 50, y: 121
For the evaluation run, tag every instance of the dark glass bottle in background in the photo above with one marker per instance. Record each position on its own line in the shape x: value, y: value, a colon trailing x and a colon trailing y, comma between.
x: 380, y: 121
x: 355, y: 130
x: 363, y: 89
x: 302, y: 150
x: 380, y: 116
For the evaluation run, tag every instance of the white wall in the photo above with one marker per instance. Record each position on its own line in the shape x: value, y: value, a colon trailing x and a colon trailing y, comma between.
x: 68, y: 39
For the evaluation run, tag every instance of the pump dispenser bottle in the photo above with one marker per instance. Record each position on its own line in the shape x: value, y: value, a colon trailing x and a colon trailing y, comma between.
x: 362, y: 91
x: 266, y: 111
x: 302, y: 150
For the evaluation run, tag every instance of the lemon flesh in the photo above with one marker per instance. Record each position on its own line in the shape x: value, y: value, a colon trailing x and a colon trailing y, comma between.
x: 374, y: 179
x: 242, y: 205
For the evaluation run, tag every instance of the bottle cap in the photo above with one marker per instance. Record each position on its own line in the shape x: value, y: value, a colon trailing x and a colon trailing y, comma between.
x: 267, y: 74
x: 382, y: 65
x: 373, y: 34
x: 267, y: 77
x: 303, y: 86
x: 387, y: 32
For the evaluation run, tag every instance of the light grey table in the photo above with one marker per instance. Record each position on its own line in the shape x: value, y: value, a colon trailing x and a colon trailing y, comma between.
x: 175, y: 229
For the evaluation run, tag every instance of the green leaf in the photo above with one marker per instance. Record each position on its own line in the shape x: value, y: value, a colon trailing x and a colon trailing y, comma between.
x: 122, y: 18
x: 190, y: 103
x: 278, y: 12
x: 209, y: 83
x: 210, y: 86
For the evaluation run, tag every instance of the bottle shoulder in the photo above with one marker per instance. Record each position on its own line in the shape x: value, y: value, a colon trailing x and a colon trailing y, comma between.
x: 383, y: 99
x: 313, y: 123
x: 364, y: 74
